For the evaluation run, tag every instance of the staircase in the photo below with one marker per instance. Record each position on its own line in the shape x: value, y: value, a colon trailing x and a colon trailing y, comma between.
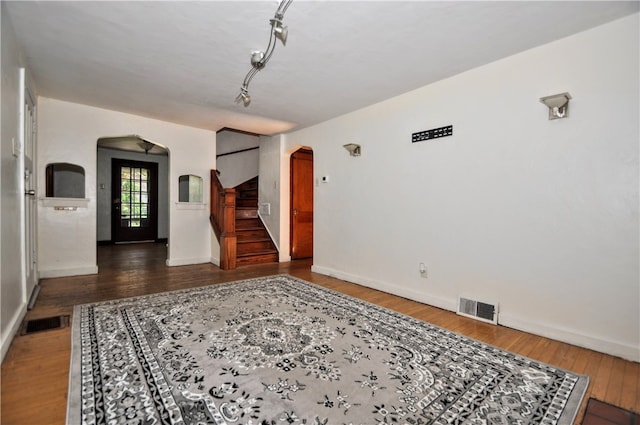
x: 234, y: 219
x: 254, y: 245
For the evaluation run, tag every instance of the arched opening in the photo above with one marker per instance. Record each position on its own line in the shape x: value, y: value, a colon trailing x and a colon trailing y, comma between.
x: 190, y: 188
x: 132, y: 193
x: 64, y: 180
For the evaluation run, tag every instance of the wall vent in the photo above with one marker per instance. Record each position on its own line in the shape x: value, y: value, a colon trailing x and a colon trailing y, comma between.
x: 486, y: 312
x: 44, y: 324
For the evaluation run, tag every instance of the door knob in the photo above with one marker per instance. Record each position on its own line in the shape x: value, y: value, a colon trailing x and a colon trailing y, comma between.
x: 30, y: 192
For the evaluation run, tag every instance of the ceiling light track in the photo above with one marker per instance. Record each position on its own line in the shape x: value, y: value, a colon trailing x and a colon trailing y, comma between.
x: 259, y: 59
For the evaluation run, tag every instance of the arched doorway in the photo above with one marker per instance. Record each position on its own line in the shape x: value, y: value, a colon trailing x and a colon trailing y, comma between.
x: 140, y: 168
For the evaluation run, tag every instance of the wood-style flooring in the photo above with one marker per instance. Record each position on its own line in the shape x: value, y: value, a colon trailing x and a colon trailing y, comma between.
x: 599, y: 413
x: 36, y: 367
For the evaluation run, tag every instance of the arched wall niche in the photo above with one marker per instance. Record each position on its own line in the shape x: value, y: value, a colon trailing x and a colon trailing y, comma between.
x: 64, y: 180
x: 190, y: 188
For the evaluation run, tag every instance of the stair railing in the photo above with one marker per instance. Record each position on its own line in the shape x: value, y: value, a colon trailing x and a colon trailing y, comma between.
x: 223, y: 220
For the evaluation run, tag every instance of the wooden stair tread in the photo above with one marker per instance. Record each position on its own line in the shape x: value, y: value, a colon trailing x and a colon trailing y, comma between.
x: 257, y: 253
x: 246, y: 221
x: 254, y: 240
x: 247, y: 228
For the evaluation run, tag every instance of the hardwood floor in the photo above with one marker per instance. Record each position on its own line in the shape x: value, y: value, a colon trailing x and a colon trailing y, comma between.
x: 599, y: 413
x: 35, y: 369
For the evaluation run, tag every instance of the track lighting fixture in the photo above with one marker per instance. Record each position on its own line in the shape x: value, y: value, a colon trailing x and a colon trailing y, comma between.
x: 259, y: 59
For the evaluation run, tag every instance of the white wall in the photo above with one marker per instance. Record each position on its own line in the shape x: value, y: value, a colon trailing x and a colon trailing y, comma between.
x: 269, y: 191
x: 239, y: 167
x: 69, y: 133
x: 12, y: 296
x: 540, y: 216
x: 104, y: 194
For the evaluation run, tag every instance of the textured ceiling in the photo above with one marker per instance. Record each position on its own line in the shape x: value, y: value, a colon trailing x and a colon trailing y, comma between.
x: 185, y: 61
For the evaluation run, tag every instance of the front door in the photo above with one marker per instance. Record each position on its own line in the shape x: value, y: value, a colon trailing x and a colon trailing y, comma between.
x: 302, y: 204
x: 134, y: 212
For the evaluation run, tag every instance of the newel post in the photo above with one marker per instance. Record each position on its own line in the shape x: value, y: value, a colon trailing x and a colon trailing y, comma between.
x: 228, y: 238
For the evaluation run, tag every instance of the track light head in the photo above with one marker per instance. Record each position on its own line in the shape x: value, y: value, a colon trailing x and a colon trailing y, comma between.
x: 244, y: 97
x: 281, y: 32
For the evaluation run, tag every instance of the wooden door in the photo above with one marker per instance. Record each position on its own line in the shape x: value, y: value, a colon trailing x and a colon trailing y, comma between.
x: 134, y: 194
x: 302, y: 204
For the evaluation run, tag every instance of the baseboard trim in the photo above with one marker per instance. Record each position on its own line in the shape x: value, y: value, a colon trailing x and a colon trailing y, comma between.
x: 625, y: 351
x: 186, y: 261
x: 7, y: 337
x: 439, y: 302
x: 275, y: 242
x: 613, y: 348
x: 283, y: 258
x: 215, y: 261
x: 78, y: 271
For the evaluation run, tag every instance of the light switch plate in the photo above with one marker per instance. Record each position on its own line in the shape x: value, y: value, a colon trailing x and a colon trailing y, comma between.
x: 15, y: 147
x: 265, y: 209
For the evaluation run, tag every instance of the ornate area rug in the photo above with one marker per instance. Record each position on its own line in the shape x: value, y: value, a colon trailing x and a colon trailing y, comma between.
x: 279, y: 350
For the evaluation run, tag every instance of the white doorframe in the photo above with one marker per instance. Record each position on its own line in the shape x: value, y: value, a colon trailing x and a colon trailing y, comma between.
x: 27, y: 135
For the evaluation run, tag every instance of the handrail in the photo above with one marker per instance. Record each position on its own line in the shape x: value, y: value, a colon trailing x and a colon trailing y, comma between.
x: 238, y: 151
x: 222, y: 218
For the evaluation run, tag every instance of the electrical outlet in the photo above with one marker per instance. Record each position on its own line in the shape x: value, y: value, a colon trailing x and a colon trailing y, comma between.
x: 423, y: 270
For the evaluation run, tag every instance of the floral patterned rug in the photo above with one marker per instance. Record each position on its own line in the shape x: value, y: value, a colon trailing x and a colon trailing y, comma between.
x: 278, y: 350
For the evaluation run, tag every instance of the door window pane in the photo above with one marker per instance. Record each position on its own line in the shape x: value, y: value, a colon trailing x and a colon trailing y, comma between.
x: 134, y: 197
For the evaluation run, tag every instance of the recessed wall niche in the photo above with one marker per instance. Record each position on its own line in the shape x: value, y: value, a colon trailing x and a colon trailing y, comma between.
x: 64, y: 180
x: 190, y: 188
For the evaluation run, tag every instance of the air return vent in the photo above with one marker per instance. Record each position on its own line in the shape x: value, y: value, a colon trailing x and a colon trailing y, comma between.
x: 44, y: 324
x: 486, y: 312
